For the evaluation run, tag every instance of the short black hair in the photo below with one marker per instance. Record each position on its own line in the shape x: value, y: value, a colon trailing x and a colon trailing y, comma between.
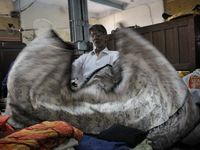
x: 98, y: 27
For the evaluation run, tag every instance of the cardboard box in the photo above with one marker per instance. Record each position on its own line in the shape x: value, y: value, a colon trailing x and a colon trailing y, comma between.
x: 7, y: 34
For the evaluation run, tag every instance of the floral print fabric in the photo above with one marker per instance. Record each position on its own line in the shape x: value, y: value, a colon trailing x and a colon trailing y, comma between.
x: 142, y: 90
x: 42, y: 136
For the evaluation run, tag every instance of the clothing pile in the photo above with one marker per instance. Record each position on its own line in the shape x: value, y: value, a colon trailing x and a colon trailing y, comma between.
x: 141, y: 90
x: 42, y: 136
x: 59, y: 135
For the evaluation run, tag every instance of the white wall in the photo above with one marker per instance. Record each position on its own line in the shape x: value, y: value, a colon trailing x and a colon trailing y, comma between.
x: 143, y: 15
x: 35, y: 15
x: 56, y: 15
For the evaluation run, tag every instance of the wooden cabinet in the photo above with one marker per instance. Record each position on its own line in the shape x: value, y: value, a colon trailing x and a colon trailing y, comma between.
x: 8, y: 53
x: 178, y: 40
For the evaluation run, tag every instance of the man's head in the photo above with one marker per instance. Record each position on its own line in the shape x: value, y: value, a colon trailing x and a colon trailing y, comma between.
x: 98, y: 34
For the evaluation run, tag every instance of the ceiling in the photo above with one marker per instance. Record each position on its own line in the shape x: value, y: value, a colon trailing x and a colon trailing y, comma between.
x: 96, y: 8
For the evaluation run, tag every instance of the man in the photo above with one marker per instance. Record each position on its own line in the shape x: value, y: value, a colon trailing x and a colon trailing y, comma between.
x: 99, y: 57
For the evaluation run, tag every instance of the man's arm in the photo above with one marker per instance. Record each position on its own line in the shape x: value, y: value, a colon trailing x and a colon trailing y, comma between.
x: 76, y: 66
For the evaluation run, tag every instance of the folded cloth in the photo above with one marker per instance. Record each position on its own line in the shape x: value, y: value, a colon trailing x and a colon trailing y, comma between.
x: 6, y: 133
x: 120, y: 133
x: 40, y: 136
x: 91, y: 143
x: 4, y: 126
x: 145, y: 145
x: 67, y: 144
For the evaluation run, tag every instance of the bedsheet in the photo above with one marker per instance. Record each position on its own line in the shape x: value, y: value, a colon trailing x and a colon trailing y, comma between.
x: 141, y: 90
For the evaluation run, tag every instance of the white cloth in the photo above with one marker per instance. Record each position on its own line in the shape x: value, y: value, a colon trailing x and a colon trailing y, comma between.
x: 88, y: 63
x: 67, y: 144
x: 193, y: 84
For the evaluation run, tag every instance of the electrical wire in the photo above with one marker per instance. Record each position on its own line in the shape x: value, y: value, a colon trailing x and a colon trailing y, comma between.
x: 150, y: 13
x: 28, y: 6
x: 20, y: 16
x: 20, y: 28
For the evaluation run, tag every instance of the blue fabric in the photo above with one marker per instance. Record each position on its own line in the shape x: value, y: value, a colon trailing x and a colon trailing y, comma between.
x: 121, y: 133
x: 4, y: 82
x: 90, y: 143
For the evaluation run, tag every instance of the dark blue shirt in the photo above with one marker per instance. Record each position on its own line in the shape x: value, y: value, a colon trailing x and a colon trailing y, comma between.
x: 4, y: 82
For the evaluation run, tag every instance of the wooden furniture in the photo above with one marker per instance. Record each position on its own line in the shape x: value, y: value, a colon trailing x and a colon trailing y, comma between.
x: 178, y: 40
x: 8, y: 53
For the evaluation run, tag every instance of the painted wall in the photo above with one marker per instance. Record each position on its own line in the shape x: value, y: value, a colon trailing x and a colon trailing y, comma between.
x: 44, y: 19
x: 57, y: 18
x: 6, y: 7
x: 142, y: 15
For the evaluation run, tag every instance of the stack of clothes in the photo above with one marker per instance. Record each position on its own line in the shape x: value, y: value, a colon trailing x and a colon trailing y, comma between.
x: 59, y: 135
x: 141, y: 90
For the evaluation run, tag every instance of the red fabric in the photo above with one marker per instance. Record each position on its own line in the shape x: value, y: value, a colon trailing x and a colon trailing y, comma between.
x: 4, y: 126
x: 42, y: 136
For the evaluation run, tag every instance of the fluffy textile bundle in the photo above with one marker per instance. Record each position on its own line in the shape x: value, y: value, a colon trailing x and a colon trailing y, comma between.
x: 41, y: 136
x: 142, y: 90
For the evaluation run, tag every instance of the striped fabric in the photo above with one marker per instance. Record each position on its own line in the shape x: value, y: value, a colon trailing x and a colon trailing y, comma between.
x: 42, y: 136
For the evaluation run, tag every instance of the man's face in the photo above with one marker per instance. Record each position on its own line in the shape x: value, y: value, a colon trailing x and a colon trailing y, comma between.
x: 98, y: 39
